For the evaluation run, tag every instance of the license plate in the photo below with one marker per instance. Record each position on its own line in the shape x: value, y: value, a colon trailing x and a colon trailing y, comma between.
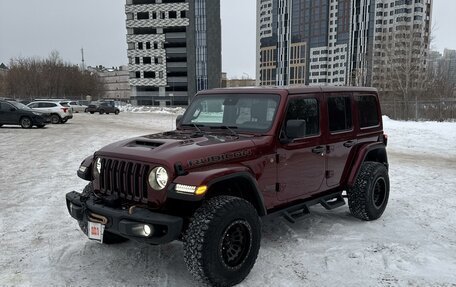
x: 96, y: 231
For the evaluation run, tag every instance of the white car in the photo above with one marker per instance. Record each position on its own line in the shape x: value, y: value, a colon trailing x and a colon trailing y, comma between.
x: 60, y: 113
x: 75, y: 106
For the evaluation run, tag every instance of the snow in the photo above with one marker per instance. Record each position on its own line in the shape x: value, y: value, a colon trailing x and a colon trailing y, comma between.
x: 413, y: 244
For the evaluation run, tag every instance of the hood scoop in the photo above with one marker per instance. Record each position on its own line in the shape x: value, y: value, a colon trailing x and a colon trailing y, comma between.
x: 144, y: 144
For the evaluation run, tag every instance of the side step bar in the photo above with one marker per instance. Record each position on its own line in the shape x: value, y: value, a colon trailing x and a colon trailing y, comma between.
x: 293, y: 212
x: 333, y: 203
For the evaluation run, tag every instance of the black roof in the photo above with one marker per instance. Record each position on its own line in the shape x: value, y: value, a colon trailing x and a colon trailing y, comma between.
x: 291, y: 89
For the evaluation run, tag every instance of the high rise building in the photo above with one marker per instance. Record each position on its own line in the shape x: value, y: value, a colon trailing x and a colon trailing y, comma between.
x: 449, y: 65
x: 340, y: 42
x: 174, y: 49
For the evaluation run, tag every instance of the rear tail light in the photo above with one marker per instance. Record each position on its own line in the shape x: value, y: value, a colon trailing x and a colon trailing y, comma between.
x: 65, y: 110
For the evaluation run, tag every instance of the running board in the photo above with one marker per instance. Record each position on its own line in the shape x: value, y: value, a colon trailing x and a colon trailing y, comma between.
x: 293, y: 212
x: 332, y: 203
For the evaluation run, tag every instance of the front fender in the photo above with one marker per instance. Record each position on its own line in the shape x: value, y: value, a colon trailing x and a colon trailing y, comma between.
x: 209, y: 177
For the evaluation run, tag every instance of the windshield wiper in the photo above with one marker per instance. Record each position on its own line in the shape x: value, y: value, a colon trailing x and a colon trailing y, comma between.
x: 230, y: 128
x: 194, y: 125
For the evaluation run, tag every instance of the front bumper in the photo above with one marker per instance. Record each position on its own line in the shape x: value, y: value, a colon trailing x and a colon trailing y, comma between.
x: 166, y: 227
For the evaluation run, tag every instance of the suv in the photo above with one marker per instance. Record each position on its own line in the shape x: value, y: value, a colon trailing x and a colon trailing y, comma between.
x: 60, y: 113
x: 237, y: 155
x: 75, y: 106
x: 103, y: 107
x: 15, y: 113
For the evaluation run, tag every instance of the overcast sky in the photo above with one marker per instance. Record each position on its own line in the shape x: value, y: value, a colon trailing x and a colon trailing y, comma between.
x: 36, y: 27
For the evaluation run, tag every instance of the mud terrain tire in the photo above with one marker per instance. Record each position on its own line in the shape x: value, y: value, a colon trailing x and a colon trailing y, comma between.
x: 108, y: 237
x: 368, y: 197
x: 222, y: 241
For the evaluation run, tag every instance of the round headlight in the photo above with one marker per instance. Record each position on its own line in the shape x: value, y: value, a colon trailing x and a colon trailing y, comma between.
x: 158, y: 178
x: 98, y: 165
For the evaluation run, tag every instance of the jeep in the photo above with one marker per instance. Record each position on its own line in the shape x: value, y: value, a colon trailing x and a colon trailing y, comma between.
x: 237, y: 156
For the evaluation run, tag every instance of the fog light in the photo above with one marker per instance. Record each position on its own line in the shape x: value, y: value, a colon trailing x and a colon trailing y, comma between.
x: 147, y: 230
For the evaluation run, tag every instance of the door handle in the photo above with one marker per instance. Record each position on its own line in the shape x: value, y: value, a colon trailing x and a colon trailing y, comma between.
x: 349, y: 144
x: 319, y: 150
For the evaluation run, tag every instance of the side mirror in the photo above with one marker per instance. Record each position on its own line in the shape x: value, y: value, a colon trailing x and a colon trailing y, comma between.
x: 178, y: 119
x: 296, y: 129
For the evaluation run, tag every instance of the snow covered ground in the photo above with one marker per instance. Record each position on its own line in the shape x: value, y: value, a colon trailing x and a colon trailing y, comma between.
x: 413, y: 244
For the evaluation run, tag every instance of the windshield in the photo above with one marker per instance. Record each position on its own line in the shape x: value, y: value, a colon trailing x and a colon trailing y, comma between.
x: 243, y: 112
x: 20, y: 106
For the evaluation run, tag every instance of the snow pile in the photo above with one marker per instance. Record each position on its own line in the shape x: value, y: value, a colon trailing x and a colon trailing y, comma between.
x: 151, y: 109
x: 413, y: 244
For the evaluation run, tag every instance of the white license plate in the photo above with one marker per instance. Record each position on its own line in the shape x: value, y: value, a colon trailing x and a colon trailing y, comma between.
x: 96, y: 231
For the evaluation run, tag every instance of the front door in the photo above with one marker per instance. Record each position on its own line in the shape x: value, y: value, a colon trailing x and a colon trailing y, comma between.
x: 301, y: 155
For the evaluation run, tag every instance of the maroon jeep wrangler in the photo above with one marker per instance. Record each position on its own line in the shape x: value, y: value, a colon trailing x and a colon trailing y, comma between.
x: 236, y: 156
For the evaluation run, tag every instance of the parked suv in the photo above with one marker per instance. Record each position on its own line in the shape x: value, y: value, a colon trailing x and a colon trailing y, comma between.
x: 236, y: 156
x: 15, y: 113
x: 103, y: 107
x: 60, y: 113
x: 75, y: 106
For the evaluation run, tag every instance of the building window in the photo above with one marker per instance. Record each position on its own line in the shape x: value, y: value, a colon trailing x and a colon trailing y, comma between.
x: 154, y: 15
x: 149, y: 75
x: 183, y: 14
x: 137, y: 60
x: 140, y: 46
x: 148, y: 45
x: 172, y: 14
x: 142, y: 15
x: 138, y: 75
x: 147, y: 60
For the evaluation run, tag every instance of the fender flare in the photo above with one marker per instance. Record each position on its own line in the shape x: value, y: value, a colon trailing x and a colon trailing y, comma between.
x: 361, y: 156
x: 211, y: 177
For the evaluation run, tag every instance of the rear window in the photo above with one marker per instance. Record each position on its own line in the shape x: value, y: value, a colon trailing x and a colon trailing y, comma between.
x: 367, y: 111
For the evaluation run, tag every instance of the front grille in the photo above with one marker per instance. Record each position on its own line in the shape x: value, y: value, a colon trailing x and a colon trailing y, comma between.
x: 126, y: 179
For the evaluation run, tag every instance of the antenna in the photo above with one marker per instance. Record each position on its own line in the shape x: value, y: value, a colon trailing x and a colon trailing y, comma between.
x: 83, y: 63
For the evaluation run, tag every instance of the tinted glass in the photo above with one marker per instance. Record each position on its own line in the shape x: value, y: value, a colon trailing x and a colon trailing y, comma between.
x: 367, y: 111
x: 340, y: 113
x: 4, y: 107
x: 307, y: 111
x: 244, y: 112
x: 20, y: 106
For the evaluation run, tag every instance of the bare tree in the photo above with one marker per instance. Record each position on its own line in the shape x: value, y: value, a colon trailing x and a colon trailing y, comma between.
x: 30, y: 78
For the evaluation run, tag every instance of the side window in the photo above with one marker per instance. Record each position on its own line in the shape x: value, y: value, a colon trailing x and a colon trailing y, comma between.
x: 4, y: 107
x: 302, y: 118
x: 32, y: 106
x: 367, y: 111
x: 340, y: 113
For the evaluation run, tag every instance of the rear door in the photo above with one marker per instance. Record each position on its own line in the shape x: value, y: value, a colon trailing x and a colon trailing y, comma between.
x: 341, y: 135
x: 301, y: 160
x: 8, y: 114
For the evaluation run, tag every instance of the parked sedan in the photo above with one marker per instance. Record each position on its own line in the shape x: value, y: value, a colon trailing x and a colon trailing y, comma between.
x: 14, y: 113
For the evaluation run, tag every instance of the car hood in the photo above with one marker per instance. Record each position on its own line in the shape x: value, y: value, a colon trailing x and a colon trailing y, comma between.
x: 189, y: 149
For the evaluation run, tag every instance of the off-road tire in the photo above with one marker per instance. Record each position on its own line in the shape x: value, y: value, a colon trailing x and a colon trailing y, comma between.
x: 108, y: 237
x: 55, y: 119
x: 26, y: 123
x: 223, y: 226
x: 368, y: 197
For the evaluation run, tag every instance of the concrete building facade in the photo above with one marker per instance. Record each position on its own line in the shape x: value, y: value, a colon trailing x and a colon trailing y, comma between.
x: 339, y: 42
x: 174, y: 49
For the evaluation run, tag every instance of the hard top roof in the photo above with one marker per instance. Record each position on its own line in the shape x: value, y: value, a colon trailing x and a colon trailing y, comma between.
x: 289, y: 90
